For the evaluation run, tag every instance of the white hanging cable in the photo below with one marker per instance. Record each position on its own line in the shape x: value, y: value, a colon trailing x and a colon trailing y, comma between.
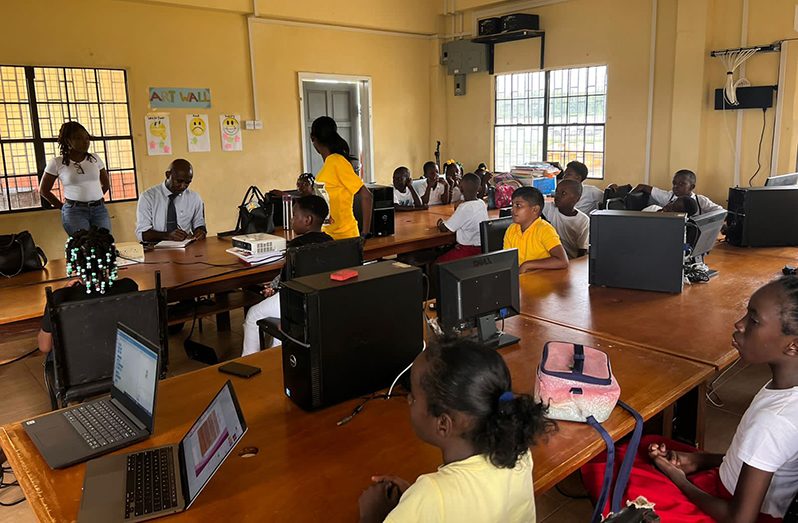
x: 732, y: 60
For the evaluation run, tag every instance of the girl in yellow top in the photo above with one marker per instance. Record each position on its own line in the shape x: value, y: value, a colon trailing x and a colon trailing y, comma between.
x: 537, y: 241
x: 460, y: 401
x: 340, y: 181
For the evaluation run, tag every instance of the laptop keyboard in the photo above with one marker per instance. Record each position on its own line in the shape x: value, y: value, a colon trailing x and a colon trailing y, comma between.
x: 151, y: 485
x: 99, y: 424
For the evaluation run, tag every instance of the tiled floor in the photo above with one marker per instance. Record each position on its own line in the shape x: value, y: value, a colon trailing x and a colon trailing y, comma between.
x: 736, y: 389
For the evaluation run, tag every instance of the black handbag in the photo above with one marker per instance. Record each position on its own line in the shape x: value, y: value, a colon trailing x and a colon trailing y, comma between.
x: 255, y: 214
x: 19, y: 254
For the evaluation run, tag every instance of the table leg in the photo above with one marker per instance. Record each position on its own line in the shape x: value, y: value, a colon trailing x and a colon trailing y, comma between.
x: 222, y: 318
x: 689, y: 417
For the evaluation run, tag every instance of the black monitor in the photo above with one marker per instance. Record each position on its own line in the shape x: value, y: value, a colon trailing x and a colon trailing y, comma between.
x: 491, y: 234
x: 505, y: 211
x: 782, y: 179
x: 323, y: 257
x: 702, y: 233
x: 475, y: 292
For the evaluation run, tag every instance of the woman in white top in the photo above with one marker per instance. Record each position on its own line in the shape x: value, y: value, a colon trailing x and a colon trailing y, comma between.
x: 84, y: 180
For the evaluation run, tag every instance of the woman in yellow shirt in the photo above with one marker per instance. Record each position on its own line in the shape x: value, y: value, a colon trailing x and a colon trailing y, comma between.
x: 340, y: 181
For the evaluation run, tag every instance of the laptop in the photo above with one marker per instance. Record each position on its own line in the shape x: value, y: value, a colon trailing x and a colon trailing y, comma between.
x: 147, y: 484
x: 93, y: 428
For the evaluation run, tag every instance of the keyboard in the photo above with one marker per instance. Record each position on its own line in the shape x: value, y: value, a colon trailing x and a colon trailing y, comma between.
x: 151, y: 485
x: 99, y: 424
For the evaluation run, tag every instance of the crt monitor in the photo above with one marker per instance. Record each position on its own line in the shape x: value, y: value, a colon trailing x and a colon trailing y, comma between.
x: 491, y: 234
x: 476, y: 291
x: 323, y: 257
x: 782, y: 179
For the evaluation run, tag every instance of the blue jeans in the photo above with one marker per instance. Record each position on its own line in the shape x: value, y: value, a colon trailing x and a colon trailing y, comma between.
x: 77, y: 217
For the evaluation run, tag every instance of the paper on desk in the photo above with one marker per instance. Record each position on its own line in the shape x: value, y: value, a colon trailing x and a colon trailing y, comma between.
x: 169, y: 244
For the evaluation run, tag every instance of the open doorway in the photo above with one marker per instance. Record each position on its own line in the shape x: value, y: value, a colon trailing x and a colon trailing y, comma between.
x: 347, y: 100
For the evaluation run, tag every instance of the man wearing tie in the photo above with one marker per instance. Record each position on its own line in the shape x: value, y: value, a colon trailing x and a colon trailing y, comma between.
x: 169, y: 211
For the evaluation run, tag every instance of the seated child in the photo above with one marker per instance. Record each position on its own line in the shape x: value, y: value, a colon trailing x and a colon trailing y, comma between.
x: 539, y: 246
x: 572, y: 225
x: 453, y: 175
x: 592, y: 196
x: 758, y: 476
x: 465, y: 221
x: 683, y: 185
x: 305, y: 185
x: 485, y: 177
x: 308, y: 217
x: 434, y: 191
x: 405, y: 197
x: 461, y: 401
x: 683, y: 204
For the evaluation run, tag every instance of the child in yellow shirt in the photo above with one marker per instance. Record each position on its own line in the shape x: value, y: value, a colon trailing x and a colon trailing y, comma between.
x: 461, y: 402
x: 539, y: 246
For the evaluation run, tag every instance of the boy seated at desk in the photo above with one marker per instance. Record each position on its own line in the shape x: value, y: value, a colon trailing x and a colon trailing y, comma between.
x: 434, y: 190
x: 308, y: 217
x: 571, y: 224
x: 465, y: 221
x: 592, y: 196
x: 684, y: 182
x: 683, y: 204
x: 405, y: 198
x: 538, y: 244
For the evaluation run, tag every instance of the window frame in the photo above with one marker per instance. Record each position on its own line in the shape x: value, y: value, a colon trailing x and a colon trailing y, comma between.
x: 40, y: 144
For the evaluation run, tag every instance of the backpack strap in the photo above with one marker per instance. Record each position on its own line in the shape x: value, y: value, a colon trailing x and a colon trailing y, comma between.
x: 609, y: 469
x: 628, y: 459
x: 579, y: 358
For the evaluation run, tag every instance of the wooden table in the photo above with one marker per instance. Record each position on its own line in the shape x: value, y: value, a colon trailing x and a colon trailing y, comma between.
x: 790, y: 254
x: 308, y: 469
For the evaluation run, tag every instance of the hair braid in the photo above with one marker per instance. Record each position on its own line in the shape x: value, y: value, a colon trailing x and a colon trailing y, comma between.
x: 91, y: 255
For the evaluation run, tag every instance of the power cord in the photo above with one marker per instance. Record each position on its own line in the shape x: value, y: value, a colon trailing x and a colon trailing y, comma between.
x: 362, y: 404
x: 18, y: 358
x: 3, y: 485
x: 759, y: 151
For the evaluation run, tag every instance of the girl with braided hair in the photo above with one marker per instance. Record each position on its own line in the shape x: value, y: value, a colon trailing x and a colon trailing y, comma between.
x: 91, y: 259
x: 84, y: 180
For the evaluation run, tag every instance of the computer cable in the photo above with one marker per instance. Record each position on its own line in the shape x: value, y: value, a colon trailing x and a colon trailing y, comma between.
x: 3, y: 485
x: 18, y: 358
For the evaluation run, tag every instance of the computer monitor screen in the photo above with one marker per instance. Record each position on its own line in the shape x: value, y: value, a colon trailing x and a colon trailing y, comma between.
x: 782, y: 179
x: 491, y: 234
x: 475, y: 291
x: 708, y: 227
x: 135, y: 373
x: 323, y: 257
x: 505, y: 212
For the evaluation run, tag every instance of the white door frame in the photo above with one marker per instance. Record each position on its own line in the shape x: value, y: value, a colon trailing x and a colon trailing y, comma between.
x: 364, y: 109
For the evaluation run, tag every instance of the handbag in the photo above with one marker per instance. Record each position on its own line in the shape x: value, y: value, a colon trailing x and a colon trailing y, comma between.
x: 18, y: 253
x: 577, y: 384
x: 255, y: 214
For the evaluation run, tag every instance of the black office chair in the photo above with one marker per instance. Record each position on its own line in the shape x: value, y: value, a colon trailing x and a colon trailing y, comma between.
x: 636, y: 201
x: 491, y: 234
x: 84, y: 341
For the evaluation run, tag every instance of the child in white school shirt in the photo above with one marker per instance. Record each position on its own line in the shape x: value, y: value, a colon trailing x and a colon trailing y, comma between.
x: 572, y: 225
x: 684, y: 182
x: 592, y: 196
x: 465, y: 221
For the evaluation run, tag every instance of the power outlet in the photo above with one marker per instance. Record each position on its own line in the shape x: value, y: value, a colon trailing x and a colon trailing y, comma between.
x: 252, y: 125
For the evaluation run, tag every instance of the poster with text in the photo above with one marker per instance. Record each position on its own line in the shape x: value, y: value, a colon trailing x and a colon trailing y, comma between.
x: 159, y: 134
x: 231, y: 132
x: 199, y: 140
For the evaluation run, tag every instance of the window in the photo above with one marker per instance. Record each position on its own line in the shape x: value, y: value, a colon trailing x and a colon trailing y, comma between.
x: 35, y: 101
x: 553, y: 116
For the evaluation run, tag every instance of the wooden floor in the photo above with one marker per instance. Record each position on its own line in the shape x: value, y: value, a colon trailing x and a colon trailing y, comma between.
x: 735, y: 391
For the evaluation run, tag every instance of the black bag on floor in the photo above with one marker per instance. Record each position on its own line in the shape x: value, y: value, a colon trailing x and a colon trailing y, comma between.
x: 19, y: 254
x: 255, y: 214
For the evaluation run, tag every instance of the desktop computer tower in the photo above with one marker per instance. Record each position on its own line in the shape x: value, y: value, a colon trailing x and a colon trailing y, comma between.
x: 382, y: 214
x: 762, y: 216
x: 637, y: 250
x: 351, y: 337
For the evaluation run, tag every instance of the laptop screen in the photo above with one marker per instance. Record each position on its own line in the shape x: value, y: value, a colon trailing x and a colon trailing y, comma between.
x: 135, y: 371
x: 211, y: 439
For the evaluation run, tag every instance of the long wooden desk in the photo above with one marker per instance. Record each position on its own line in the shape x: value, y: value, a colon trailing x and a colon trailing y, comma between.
x: 308, y: 469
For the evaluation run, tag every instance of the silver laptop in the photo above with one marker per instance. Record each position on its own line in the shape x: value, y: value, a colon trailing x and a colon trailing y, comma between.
x: 93, y: 428
x: 155, y: 482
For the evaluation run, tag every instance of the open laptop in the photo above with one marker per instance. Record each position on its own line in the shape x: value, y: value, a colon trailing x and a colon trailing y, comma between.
x: 155, y: 482
x: 78, y: 433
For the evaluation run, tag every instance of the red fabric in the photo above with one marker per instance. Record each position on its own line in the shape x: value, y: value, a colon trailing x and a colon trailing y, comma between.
x: 670, y: 504
x: 459, y: 251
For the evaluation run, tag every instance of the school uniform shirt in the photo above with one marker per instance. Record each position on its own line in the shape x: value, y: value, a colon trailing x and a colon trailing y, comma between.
x: 435, y: 195
x: 78, y: 187
x: 472, y: 490
x: 591, y: 197
x: 341, y: 184
x: 533, y: 243
x: 662, y: 197
x: 154, y: 204
x: 767, y: 439
x: 457, y: 195
x: 653, y: 208
x: 465, y: 222
x: 78, y: 293
x: 574, y: 231
x: 403, y: 199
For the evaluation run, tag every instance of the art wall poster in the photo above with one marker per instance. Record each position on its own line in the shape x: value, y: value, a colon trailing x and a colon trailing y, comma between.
x: 159, y: 134
x: 198, y: 137
x: 231, y: 132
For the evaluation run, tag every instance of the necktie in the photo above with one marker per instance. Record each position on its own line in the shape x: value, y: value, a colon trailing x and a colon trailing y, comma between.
x: 171, y: 214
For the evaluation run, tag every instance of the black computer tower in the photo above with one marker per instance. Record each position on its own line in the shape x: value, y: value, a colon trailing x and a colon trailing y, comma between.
x: 351, y: 337
x: 637, y: 250
x: 382, y: 215
x: 762, y: 216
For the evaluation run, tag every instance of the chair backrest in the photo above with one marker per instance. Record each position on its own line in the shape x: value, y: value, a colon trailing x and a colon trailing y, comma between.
x: 84, y: 335
x: 323, y: 257
x: 636, y: 201
x: 491, y: 233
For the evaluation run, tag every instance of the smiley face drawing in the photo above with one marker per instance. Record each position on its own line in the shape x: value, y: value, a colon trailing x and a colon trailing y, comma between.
x: 230, y: 127
x: 197, y: 126
x: 158, y: 129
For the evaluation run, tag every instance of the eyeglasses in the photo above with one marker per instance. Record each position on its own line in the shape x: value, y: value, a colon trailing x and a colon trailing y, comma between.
x: 79, y: 168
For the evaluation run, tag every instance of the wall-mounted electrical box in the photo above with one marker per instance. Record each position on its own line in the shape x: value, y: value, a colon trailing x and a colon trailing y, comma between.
x: 759, y: 97
x: 459, y: 84
x: 464, y: 57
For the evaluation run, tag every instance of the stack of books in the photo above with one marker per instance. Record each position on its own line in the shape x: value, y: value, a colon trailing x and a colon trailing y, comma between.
x: 248, y: 258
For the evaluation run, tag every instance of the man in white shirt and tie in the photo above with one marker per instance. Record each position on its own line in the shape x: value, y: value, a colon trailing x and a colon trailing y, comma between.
x: 170, y: 211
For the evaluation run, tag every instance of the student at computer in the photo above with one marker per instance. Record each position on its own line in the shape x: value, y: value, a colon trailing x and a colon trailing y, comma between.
x: 433, y: 190
x: 757, y: 477
x: 405, y: 197
x: 91, y: 259
x: 539, y: 246
x: 683, y: 204
x: 592, y: 196
x: 465, y: 221
x: 453, y: 175
x: 170, y: 211
x: 684, y: 182
x: 571, y: 224
x: 461, y: 401
x: 308, y: 217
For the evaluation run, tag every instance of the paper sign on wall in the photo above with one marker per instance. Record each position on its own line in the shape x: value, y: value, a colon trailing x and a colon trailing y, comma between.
x: 231, y: 132
x: 159, y: 134
x: 180, y: 97
x: 199, y: 140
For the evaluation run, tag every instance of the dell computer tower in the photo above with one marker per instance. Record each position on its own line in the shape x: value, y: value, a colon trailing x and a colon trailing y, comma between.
x: 349, y: 338
x: 382, y: 214
x: 637, y: 250
x: 762, y: 216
